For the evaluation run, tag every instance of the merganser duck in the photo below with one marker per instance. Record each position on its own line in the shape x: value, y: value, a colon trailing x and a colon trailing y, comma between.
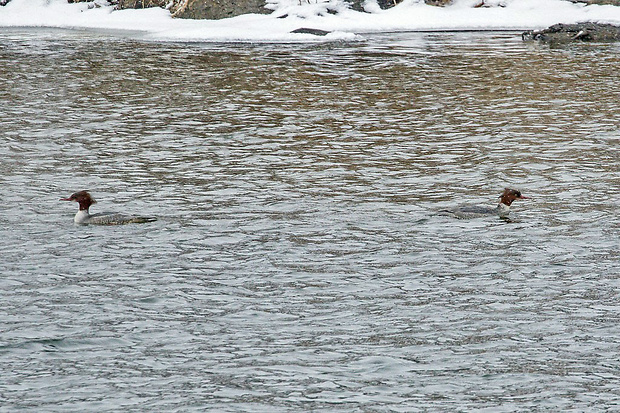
x: 502, y: 209
x: 83, y: 217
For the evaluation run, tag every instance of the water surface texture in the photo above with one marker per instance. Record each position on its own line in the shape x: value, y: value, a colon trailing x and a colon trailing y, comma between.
x: 298, y: 263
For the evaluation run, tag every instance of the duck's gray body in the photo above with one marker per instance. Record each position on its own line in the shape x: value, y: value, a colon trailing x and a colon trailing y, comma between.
x: 109, y: 218
x: 476, y: 211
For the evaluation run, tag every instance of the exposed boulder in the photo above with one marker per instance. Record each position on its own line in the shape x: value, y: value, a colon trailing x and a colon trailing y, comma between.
x: 200, y: 9
x: 309, y: 30
x: 140, y: 4
x: 489, y: 4
x: 386, y: 4
x: 440, y: 3
x: 217, y: 9
x: 358, y: 5
x: 580, y: 32
x: 603, y: 2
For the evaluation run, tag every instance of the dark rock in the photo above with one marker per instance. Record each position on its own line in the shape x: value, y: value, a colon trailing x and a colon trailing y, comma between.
x: 357, y: 5
x: 139, y: 4
x: 484, y: 4
x: 604, y: 2
x: 386, y: 4
x: 217, y: 9
x: 200, y: 9
x: 307, y: 30
x: 580, y: 32
x: 438, y: 2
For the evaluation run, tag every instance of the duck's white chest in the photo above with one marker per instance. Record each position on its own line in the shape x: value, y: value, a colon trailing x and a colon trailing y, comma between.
x: 81, y: 217
x: 503, y: 210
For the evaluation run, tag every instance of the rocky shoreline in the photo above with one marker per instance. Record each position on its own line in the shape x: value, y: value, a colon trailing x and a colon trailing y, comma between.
x: 580, y: 32
x: 220, y: 9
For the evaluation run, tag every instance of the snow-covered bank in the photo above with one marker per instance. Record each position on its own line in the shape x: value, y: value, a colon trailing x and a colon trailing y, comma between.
x: 157, y: 24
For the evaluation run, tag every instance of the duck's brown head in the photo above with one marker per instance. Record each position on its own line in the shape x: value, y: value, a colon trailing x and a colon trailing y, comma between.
x: 510, y: 195
x: 83, y: 198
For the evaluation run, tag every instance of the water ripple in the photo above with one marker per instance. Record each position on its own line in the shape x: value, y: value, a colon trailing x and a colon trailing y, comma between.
x: 298, y: 262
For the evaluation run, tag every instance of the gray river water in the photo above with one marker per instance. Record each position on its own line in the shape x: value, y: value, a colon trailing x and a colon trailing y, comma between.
x: 298, y: 263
